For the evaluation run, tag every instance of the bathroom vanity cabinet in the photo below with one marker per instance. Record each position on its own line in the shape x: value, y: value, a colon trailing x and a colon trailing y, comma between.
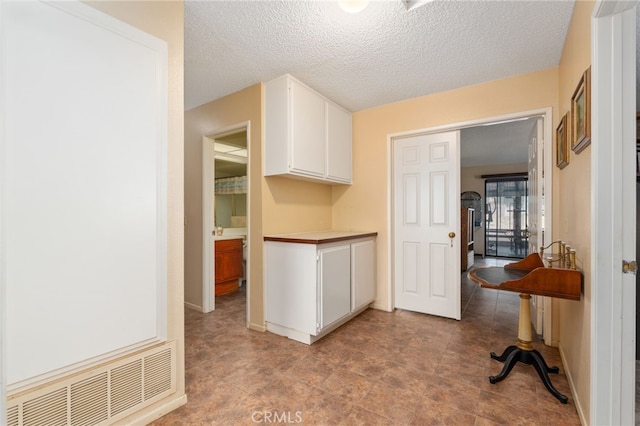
x: 315, y: 282
x: 228, y: 265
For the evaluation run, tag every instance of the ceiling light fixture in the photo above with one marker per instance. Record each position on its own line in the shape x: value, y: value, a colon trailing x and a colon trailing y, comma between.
x: 234, y: 154
x: 412, y: 4
x: 230, y: 158
x: 353, y: 6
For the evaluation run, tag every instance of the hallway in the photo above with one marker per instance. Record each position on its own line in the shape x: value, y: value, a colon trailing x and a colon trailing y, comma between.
x: 381, y: 368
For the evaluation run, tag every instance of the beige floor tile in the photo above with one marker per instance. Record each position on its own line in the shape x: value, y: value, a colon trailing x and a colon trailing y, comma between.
x: 439, y: 413
x: 391, y: 402
x: 457, y: 395
x: 348, y: 385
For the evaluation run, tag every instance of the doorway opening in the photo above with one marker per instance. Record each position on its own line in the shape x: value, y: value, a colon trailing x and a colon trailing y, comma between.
x: 225, y: 204
x: 536, y: 162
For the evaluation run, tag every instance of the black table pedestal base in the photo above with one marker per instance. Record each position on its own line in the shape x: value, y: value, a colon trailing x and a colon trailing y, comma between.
x: 514, y: 354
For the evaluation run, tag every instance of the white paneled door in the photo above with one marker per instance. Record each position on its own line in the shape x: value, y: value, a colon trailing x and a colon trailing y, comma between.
x: 426, y: 194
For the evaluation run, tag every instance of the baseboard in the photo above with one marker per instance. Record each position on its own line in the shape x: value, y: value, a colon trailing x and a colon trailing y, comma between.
x: 158, y: 412
x: 257, y: 327
x: 380, y: 307
x: 572, y: 386
x: 193, y: 306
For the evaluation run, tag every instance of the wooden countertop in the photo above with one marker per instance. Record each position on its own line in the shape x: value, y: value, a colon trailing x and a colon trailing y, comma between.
x: 319, y: 237
x: 228, y: 237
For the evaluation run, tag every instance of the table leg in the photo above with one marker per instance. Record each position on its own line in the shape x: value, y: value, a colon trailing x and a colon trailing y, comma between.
x: 523, y: 352
x: 509, y: 363
x: 554, y: 369
x: 505, y: 354
x: 541, y: 367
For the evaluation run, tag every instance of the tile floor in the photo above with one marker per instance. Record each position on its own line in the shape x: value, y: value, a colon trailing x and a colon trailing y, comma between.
x: 379, y: 369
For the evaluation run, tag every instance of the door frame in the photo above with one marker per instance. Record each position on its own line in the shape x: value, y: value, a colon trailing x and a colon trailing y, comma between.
x: 3, y: 298
x: 208, y: 198
x: 613, y: 85
x: 545, y: 113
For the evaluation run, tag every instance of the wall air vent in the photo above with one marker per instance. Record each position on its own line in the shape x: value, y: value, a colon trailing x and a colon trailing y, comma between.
x: 126, y: 386
x: 46, y: 410
x: 12, y: 416
x: 89, y: 400
x: 99, y: 395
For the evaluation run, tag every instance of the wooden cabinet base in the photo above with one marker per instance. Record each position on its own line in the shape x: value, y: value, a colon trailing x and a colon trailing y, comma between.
x: 228, y: 266
x: 226, y: 287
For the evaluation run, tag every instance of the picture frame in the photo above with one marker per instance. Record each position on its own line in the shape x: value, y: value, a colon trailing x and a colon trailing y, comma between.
x: 637, y: 160
x: 638, y: 146
x: 581, y: 113
x: 562, y: 143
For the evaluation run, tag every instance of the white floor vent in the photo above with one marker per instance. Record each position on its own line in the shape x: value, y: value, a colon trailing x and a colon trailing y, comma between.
x: 99, y: 396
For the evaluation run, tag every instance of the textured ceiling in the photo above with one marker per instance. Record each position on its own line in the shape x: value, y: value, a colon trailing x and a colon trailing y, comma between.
x: 505, y: 143
x: 381, y: 55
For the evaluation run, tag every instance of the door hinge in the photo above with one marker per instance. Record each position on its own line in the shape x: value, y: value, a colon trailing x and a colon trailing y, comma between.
x: 630, y: 267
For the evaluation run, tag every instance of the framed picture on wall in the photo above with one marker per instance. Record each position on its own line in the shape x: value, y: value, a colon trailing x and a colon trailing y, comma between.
x: 637, y: 159
x: 562, y: 143
x: 581, y: 113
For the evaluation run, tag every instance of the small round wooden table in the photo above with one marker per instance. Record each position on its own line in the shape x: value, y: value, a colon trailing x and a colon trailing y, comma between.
x: 528, y: 277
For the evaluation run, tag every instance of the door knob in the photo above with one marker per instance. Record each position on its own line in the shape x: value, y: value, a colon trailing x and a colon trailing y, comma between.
x: 452, y: 235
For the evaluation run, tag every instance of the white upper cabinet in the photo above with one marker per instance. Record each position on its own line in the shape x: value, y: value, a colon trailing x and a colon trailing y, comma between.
x: 306, y: 135
x: 338, y: 144
x: 308, y: 131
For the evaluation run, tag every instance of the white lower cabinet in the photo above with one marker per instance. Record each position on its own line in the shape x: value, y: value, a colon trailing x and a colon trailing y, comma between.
x: 363, y: 273
x: 334, y: 284
x: 313, y: 288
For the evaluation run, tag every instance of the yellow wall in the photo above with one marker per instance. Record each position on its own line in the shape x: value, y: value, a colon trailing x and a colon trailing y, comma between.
x: 363, y: 206
x: 165, y: 20
x: 573, y: 219
x: 292, y: 205
x: 470, y: 180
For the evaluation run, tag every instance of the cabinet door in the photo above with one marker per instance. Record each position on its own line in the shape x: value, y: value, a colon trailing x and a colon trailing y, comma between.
x: 307, y: 149
x: 231, y: 265
x: 334, y: 284
x: 363, y: 273
x: 290, y: 282
x: 228, y: 260
x: 277, y: 133
x: 339, y: 162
